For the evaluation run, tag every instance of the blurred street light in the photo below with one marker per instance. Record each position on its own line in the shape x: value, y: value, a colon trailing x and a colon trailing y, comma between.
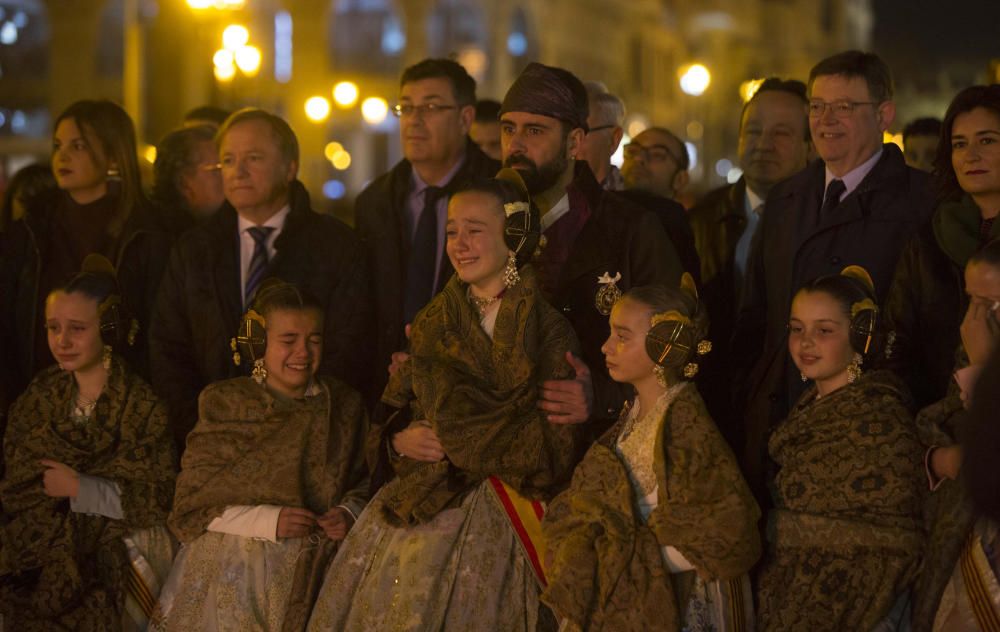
x: 345, y: 94
x: 248, y: 60
x: 332, y: 149
x: 317, y: 109
x: 341, y: 160
x: 374, y: 110
x: 235, y: 37
x: 695, y: 79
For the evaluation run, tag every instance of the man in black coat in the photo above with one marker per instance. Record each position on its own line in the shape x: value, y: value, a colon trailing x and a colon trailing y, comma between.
x: 436, y: 109
x: 856, y: 206
x: 773, y: 146
x: 591, y: 235
x: 265, y: 229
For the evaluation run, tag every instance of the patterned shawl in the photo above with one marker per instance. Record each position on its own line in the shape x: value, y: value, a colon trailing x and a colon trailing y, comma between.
x: 949, y: 516
x: 481, y: 397
x: 847, y: 531
x: 253, y: 448
x: 607, y: 571
x: 58, y: 567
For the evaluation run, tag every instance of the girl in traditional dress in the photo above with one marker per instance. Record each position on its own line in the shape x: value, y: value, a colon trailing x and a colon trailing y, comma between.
x: 845, y: 536
x: 89, y: 475
x: 271, y: 479
x: 453, y: 543
x: 958, y: 589
x: 658, y: 528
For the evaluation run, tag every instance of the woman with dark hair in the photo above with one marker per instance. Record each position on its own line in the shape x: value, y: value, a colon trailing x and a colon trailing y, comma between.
x: 187, y: 181
x: 98, y: 207
x: 927, y: 299
x: 27, y: 184
x: 658, y: 528
x: 89, y: 475
x: 957, y: 589
x: 845, y: 535
x: 271, y: 480
x: 451, y: 543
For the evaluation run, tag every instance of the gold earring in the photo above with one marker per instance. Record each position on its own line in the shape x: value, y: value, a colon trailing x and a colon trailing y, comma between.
x: 259, y: 373
x: 854, y: 369
x: 106, y: 360
x: 661, y: 375
x: 510, y: 275
x: 803, y: 376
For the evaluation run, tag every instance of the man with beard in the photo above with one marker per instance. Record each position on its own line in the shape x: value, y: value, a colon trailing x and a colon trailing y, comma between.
x: 597, y: 244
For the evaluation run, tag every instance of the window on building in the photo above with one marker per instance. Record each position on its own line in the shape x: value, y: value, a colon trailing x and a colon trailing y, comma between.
x: 366, y: 36
x: 24, y: 40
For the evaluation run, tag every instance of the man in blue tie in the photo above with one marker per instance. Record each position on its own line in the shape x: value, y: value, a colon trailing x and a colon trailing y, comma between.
x: 265, y: 229
x: 856, y: 205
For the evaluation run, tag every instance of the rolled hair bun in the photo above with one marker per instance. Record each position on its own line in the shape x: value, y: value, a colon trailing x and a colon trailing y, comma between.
x: 861, y: 275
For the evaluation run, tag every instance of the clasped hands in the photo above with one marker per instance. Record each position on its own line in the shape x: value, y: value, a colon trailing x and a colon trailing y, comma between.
x: 296, y: 522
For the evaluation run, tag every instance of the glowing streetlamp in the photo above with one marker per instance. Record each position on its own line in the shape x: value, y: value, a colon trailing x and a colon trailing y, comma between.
x: 235, y: 37
x: 248, y: 60
x: 342, y: 160
x: 374, y: 110
x: 332, y: 149
x: 222, y: 5
x: 345, y: 94
x: 317, y: 109
x: 695, y: 79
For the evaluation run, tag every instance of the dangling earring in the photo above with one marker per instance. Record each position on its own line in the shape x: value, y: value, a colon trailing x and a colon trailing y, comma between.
x: 803, y: 376
x: 106, y: 360
x: 510, y: 275
x: 854, y: 369
x: 259, y: 373
x: 113, y: 174
x: 661, y: 375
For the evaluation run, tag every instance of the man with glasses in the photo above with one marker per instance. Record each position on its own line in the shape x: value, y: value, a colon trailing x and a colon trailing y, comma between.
x: 604, y: 135
x: 266, y: 228
x: 597, y: 243
x: 401, y: 215
x: 656, y: 161
x: 857, y: 205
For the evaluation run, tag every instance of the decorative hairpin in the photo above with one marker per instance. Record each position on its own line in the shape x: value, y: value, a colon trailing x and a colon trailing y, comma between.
x: 608, y: 294
x: 512, y: 208
x: 863, y: 305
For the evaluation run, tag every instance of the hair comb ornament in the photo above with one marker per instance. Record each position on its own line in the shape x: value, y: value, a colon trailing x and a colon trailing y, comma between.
x: 609, y: 293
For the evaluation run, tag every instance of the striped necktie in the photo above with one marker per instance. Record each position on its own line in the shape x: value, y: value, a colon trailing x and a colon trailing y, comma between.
x: 258, y: 262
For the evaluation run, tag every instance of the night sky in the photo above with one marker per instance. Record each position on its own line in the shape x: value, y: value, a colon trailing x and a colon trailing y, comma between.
x: 922, y: 38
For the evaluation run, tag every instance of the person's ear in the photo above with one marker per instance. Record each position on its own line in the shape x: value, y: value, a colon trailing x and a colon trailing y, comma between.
x: 616, y: 138
x: 681, y: 180
x: 574, y: 142
x: 466, y: 116
x: 886, y: 115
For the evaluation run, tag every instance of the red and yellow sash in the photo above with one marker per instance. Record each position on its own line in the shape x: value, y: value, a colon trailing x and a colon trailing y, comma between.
x: 525, y: 518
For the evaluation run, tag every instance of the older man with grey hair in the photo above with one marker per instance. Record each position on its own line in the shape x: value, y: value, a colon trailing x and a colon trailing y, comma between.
x: 605, y: 121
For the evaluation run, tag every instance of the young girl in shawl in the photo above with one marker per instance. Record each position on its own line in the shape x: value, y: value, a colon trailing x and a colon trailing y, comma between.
x: 958, y: 588
x: 452, y: 543
x: 271, y: 479
x: 89, y: 475
x: 658, y: 528
x: 845, y: 536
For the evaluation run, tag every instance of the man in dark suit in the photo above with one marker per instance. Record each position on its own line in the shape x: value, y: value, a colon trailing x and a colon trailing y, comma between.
x: 265, y: 229
x: 773, y: 146
x: 592, y: 235
x: 857, y: 205
x: 401, y: 215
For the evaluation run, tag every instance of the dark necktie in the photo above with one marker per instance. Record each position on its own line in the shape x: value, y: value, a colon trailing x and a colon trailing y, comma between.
x: 258, y: 262
x: 423, y: 256
x: 834, y: 190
